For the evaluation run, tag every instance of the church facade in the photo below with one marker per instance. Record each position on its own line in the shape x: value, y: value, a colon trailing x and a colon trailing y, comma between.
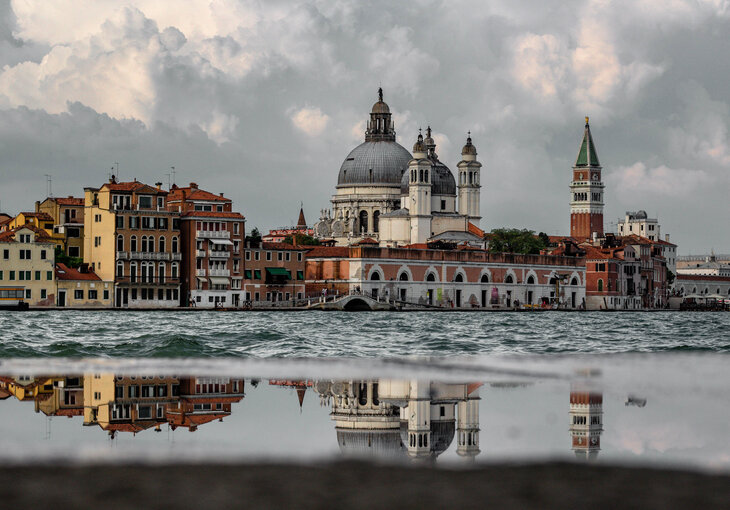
x: 386, y: 194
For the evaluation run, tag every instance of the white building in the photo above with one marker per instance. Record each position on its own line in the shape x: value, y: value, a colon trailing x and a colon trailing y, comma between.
x: 385, y: 193
x: 710, y: 267
x: 640, y: 224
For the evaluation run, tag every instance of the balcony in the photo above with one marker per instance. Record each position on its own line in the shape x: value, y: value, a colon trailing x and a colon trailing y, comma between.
x: 200, y: 254
x: 147, y: 280
x: 219, y: 254
x: 220, y: 272
x: 148, y: 255
x: 213, y: 234
x: 200, y: 272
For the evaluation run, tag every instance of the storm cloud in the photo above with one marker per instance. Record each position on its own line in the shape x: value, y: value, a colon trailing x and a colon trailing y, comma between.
x: 263, y: 100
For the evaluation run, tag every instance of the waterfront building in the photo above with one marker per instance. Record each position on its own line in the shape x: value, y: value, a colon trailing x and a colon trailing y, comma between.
x: 711, y: 266
x: 67, y: 215
x: 82, y: 287
x: 274, y: 272
x: 203, y: 400
x: 131, y: 237
x: 66, y: 398
x: 689, y: 261
x: 280, y: 235
x: 27, y: 264
x: 212, y: 239
x: 703, y: 285
x: 458, y: 278
x: 586, y: 191
x: 128, y: 403
x: 386, y: 194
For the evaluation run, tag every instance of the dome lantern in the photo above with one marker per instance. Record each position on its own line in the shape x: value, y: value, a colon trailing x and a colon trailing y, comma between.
x: 380, y: 128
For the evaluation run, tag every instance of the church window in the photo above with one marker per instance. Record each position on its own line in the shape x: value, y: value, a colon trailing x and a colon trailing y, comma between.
x: 364, y: 221
x: 376, y: 220
x: 470, y: 178
x: 425, y: 173
x: 420, y: 175
x: 443, y: 205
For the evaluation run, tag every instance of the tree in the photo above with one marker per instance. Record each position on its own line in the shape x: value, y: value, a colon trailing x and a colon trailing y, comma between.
x: 62, y: 258
x: 515, y: 240
x: 301, y: 240
x: 670, y: 277
x: 254, y: 236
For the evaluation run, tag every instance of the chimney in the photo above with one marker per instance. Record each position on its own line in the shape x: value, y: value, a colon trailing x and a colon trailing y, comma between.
x: 37, y: 206
x: 193, y: 185
x: 221, y: 195
x: 159, y: 185
x: 666, y: 237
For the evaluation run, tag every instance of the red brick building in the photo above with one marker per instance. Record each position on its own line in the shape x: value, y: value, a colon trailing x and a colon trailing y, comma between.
x: 212, y: 240
x: 274, y: 273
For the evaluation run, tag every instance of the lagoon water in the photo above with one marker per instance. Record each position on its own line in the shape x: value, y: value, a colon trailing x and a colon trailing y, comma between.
x: 365, y: 334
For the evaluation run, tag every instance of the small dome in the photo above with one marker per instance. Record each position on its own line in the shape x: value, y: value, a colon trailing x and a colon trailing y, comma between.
x: 442, y: 180
x: 419, y: 146
x: 381, y: 107
x: 469, y: 149
x: 641, y: 215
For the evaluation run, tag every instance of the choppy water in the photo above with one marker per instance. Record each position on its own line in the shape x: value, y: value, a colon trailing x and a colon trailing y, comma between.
x: 333, y: 334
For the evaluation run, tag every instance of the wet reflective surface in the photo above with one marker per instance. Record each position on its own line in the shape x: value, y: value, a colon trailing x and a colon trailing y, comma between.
x: 661, y: 411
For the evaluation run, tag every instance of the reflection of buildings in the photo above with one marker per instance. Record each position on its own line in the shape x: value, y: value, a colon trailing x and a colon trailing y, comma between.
x: 300, y: 386
x: 586, y: 421
x: 204, y: 399
x: 394, y: 418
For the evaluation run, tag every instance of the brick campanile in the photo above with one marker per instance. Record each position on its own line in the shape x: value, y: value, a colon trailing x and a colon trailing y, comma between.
x: 586, y: 191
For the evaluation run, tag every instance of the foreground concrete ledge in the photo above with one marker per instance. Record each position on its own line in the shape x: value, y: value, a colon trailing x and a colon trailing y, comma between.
x: 355, y: 486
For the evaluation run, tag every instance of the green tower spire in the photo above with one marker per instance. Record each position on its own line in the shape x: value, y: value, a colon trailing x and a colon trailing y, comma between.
x: 587, y: 154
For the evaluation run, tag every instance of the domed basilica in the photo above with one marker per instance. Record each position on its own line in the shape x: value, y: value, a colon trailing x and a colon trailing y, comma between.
x: 398, y: 198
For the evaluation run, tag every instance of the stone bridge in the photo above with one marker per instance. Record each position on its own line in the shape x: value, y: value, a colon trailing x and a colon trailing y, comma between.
x: 353, y: 303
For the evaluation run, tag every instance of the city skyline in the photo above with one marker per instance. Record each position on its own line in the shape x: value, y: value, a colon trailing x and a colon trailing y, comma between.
x: 267, y: 101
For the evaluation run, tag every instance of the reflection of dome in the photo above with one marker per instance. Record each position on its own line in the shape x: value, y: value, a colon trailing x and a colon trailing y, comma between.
x: 442, y: 434
x: 443, y: 182
x: 374, y: 163
x: 370, y: 442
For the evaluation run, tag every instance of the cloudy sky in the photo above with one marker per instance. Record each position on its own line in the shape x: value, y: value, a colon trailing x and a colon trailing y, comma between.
x: 263, y: 100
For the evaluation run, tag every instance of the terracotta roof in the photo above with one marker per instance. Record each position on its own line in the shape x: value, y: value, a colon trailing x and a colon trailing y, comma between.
x: 9, y: 235
x: 415, y: 246
x: 130, y: 427
x: 76, y: 411
x: 283, y: 246
x: 707, y: 278
x: 367, y: 240
x: 63, y: 272
x: 69, y: 201
x: 329, y: 251
x: 665, y: 243
x: 213, y: 214
x: 133, y: 186
x: 475, y: 230
x: 40, y: 215
x: 176, y: 194
x: 593, y: 253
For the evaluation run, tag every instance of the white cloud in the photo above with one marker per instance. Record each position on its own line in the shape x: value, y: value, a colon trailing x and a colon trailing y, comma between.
x: 640, y: 181
x: 310, y: 120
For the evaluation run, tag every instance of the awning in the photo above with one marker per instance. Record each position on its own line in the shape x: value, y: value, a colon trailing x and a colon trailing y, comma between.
x: 219, y: 280
x: 221, y: 241
x: 278, y: 271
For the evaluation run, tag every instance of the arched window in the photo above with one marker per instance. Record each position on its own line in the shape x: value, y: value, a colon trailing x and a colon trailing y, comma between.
x: 120, y: 243
x: 173, y: 268
x: 459, y: 277
x: 425, y: 176
x: 144, y: 243
x: 530, y: 280
x: 509, y: 279
x: 484, y: 278
x: 162, y: 244
x: 574, y: 281
x: 133, y: 272
x: 174, y: 244
x: 431, y: 277
x: 403, y: 276
x: 376, y: 218
x: 363, y: 394
x: 420, y: 175
x: 470, y: 178
x: 600, y: 285
x: 143, y: 274
x: 133, y: 243
x: 161, y: 272
x: 120, y: 269
x: 375, y: 276
x: 364, y: 221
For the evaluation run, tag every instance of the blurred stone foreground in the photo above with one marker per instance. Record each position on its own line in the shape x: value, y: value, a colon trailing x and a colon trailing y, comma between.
x: 358, y: 486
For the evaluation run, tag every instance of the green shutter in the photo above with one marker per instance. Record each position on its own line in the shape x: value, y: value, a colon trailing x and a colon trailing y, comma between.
x: 49, y: 275
x: 37, y: 275
x: 247, y: 274
x: 278, y: 271
x: 257, y: 274
x: 300, y: 275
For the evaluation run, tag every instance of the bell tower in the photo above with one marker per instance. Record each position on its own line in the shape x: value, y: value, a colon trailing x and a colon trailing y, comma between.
x: 586, y: 191
x: 469, y: 169
x: 419, y: 190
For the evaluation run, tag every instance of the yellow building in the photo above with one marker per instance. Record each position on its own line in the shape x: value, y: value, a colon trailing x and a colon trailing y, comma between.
x: 38, y: 220
x: 26, y: 388
x: 68, y: 223
x: 27, y: 263
x: 82, y: 288
x: 131, y: 238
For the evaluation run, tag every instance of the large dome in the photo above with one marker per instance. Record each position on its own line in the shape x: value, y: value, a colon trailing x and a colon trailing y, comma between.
x: 380, y: 163
x: 442, y: 180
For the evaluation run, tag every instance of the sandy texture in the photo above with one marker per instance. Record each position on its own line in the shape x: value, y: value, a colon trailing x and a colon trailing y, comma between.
x: 358, y: 486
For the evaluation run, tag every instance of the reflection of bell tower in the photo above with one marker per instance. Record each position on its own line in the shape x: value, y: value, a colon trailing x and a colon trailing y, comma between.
x: 467, y: 426
x: 586, y: 422
x: 418, y: 414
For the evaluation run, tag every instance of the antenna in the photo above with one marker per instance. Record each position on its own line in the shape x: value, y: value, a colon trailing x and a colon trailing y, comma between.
x: 173, y: 174
x: 49, y: 185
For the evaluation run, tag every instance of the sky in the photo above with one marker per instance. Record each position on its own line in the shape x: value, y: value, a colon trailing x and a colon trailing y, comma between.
x: 263, y: 100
